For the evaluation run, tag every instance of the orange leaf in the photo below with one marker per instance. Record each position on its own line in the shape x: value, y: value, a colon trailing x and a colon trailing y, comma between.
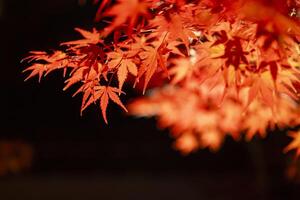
x: 126, y: 11
x: 125, y: 67
x: 114, y: 97
x: 295, y: 144
x: 103, y: 104
x: 89, y: 38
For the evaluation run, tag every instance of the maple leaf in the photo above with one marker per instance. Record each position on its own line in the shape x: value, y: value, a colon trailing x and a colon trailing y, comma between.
x: 124, y: 66
x: 35, y: 55
x: 149, y: 64
x: 186, y: 143
x: 110, y: 93
x: 211, y: 139
x: 36, y: 69
x: 262, y: 85
x: 174, y: 25
x: 103, y: 4
x: 295, y: 144
x: 183, y: 67
x: 234, y: 53
x: 126, y: 11
x: 84, y: 73
x: 151, y: 58
x: 89, y: 38
x: 115, y: 59
x: 49, y: 62
x: 103, y: 94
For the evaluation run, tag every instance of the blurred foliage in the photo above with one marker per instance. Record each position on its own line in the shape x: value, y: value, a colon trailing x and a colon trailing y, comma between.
x: 15, y: 157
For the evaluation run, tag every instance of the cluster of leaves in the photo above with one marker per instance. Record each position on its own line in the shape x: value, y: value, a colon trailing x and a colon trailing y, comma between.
x: 224, y: 67
x: 197, y: 120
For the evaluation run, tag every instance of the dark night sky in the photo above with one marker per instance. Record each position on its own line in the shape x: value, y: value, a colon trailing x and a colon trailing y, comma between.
x: 65, y: 143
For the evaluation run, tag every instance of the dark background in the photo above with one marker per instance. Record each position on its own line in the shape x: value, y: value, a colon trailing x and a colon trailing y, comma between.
x: 82, y: 158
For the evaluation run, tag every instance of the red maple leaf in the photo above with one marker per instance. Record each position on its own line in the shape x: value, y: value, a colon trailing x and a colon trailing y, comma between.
x: 126, y: 11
